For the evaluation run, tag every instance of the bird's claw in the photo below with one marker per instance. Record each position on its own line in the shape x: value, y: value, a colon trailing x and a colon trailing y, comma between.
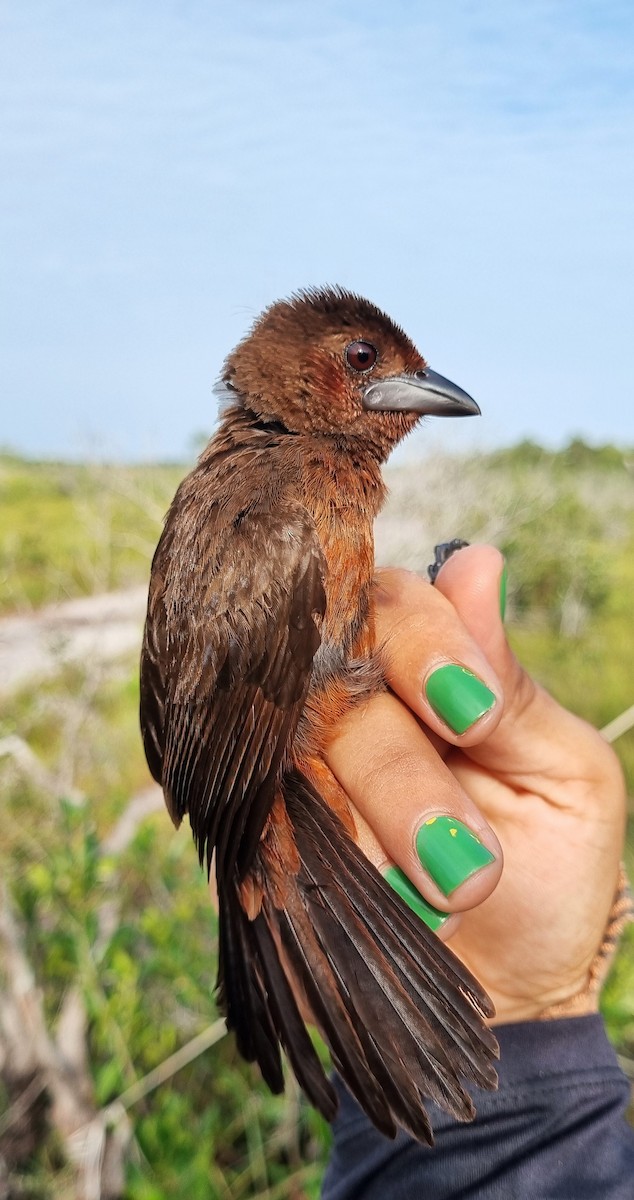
x: 442, y: 552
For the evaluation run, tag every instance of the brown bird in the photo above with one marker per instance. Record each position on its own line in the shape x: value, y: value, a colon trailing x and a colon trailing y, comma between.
x: 259, y: 639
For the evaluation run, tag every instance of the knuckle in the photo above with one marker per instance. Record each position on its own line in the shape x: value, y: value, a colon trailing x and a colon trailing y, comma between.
x: 396, y: 586
x: 391, y: 768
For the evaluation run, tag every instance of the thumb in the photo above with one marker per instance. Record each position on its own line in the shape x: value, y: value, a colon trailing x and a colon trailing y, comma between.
x: 474, y: 581
x: 535, y: 739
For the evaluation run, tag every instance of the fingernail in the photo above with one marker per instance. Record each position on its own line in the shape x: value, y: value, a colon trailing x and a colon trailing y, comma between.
x: 450, y: 852
x: 397, y: 879
x: 503, y: 582
x: 458, y: 696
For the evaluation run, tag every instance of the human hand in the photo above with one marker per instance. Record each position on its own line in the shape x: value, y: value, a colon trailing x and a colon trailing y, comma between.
x: 526, y: 776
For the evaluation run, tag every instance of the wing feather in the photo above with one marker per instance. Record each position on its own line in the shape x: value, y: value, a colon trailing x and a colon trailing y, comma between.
x: 227, y: 655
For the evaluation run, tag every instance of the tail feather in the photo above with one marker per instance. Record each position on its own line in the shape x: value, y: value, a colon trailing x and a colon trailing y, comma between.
x: 290, y: 1027
x: 318, y: 831
x: 398, y: 1044
x: 402, y: 1017
x: 385, y: 1005
x: 242, y: 998
x: 457, y: 1025
x: 328, y: 1005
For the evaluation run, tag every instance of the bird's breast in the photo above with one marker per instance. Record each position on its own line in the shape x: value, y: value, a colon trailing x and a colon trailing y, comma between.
x: 348, y: 620
x: 343, y: 499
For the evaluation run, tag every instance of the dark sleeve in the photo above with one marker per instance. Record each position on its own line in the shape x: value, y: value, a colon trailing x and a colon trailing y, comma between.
x: 555, y: 1130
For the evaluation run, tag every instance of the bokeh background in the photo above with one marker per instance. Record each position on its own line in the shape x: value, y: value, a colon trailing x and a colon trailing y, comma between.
x: 167, y: 170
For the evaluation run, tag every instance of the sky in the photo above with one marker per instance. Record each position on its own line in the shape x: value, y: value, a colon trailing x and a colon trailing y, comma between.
x: 169, y: 167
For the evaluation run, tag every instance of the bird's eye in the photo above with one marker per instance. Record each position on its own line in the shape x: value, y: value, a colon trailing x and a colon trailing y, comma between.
x: 361, y: 356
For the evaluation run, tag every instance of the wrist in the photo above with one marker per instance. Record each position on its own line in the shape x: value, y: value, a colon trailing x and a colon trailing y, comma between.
x: 578, y: 994
x: 586, y: 1000
x: 565, y: 1002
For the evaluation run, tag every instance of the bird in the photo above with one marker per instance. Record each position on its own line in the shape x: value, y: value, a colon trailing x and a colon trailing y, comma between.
x: 259, y: 639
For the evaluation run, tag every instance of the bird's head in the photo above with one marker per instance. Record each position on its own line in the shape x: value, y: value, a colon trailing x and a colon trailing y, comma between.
x: 329, y: 362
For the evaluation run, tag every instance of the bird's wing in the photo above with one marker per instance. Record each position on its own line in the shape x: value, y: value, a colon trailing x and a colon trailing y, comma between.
x: 231, y: 632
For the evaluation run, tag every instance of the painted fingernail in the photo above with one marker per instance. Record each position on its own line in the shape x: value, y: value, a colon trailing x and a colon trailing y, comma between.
x: 503, y: 582
x: 450, y: 852
x: 397, y: 879
x: 458, y: 696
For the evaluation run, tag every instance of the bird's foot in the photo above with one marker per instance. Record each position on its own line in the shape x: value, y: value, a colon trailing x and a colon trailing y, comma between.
x: 442, y: 552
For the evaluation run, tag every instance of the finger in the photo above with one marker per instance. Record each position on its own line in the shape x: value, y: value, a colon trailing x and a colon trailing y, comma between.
x: 422, y: 820
x: 535, y: 738
x: 431, y: 660
x: 473, y: 580
x: 443, y: 923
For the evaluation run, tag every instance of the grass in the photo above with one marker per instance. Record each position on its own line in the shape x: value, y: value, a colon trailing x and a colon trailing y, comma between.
x: 73, y: 530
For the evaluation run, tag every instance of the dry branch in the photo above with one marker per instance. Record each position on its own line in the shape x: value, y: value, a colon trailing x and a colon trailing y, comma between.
x: 34, y: 1061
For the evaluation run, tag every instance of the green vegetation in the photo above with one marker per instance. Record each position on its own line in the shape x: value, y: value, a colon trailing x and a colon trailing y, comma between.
x: 130, y: 924
x: 110, y: 912
x: 72, y: 530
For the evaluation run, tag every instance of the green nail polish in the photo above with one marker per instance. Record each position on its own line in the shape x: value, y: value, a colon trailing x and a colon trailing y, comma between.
x: 503, y: 582
x: 450, y: 852
x: 458, y: 696
x: 398, y: 880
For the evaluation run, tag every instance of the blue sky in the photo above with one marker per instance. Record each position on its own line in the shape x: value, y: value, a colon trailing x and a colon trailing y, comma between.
x: 168, y: 168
